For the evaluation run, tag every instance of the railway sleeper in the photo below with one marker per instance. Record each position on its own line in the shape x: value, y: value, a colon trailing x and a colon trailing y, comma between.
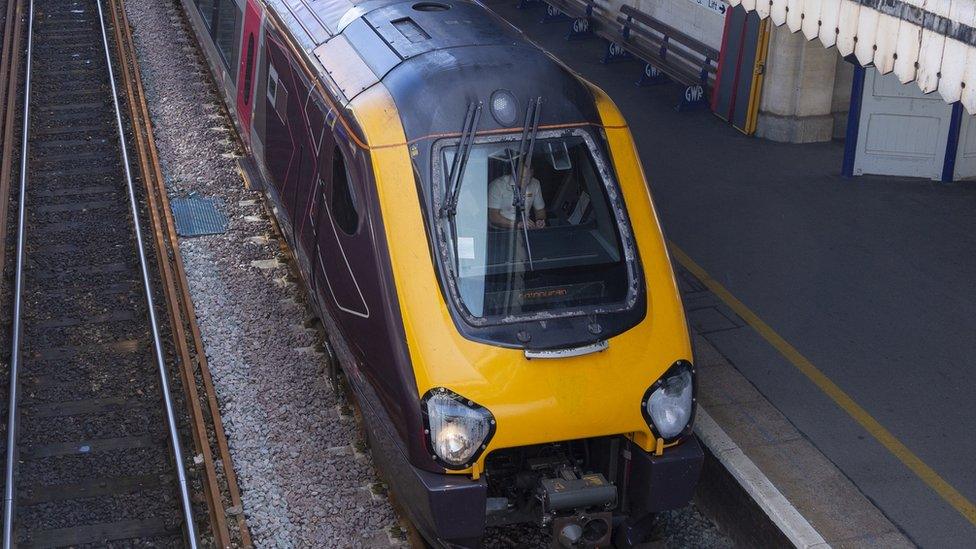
x: 136, y: 420
x: 88, y: 406
x: 76, y: 468
x: 80, y: 382
x: 92, y: 488
x: 151, y: 531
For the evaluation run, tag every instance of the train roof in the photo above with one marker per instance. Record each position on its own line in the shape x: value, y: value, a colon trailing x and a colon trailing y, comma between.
x: 434, y: 56
x: 315, y: 22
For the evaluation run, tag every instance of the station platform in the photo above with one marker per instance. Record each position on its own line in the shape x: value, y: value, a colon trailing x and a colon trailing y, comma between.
x: 834, y: 329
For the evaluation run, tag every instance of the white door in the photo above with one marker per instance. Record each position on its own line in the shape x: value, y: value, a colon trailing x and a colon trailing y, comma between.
x: 902, y: 131
x: 966, y: 152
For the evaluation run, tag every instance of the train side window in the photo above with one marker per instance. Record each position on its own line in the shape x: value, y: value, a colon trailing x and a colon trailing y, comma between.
x: 272, y: 84
x: 343, y: 199
x: 206, y: 8
x: 249, y: 69
x: 281, y: 102
x: 226, y: 32
x: 277, y: 94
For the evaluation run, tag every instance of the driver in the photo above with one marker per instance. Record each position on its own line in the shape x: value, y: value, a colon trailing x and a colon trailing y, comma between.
x: 501, y: 210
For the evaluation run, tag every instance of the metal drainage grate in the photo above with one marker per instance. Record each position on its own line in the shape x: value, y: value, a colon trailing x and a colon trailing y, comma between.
x: 196, y: 216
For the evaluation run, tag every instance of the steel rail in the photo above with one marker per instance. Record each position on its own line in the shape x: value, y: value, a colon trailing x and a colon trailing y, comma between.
x: 5, y: 53
x: 139, y: 119
x: 182, y: 301
x: 128, y: 64
x: 9, y: 71
x: 174, y: 435
x: 8, y: 489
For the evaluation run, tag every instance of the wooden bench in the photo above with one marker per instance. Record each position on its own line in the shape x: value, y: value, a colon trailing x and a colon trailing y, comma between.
x: 668, y: 52
x: 587, y: 17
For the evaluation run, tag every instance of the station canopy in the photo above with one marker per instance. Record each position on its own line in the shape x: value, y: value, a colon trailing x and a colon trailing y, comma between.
x: 929, y: 42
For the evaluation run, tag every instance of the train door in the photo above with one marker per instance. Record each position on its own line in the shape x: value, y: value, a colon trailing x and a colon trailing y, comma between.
x: 310, y: 129
x: 311, y: 225
x: 339, y: 245
x: 300, y: 195
x: 291, y: 148
x: 280, y: 147
x: 246, y: 74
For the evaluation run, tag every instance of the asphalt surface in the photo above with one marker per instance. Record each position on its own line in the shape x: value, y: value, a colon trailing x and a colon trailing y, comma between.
x: 870, y: 278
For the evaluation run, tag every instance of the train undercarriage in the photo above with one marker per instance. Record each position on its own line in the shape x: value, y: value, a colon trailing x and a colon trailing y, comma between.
x: 592, y: 492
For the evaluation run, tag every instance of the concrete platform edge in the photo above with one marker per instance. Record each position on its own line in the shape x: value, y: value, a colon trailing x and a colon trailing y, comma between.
x: 755, y: 486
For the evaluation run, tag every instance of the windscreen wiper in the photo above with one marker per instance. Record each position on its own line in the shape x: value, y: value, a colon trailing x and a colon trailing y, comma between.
x: 449, y: 209
x: 456, y: 175
x: 526, y: 149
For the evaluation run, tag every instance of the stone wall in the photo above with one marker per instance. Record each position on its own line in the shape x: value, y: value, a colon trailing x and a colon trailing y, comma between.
x: 693, y: 17
x: 798, y: 96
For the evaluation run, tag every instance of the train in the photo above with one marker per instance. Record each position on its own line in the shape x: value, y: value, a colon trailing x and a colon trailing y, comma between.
x: 474, y: 227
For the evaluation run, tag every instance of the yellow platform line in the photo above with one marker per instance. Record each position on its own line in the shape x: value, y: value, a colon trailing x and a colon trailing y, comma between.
x: 928, y: 475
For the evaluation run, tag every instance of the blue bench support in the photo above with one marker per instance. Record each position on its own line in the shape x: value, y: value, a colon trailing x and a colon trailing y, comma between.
x: 652, y: 76
x: 615, y: 52
x: 580, y: 28
x: 553, y: 14
x: 693, y: 98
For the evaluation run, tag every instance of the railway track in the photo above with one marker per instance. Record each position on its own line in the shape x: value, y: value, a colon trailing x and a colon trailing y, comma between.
x: 104, y: 335
x: 97, y: 456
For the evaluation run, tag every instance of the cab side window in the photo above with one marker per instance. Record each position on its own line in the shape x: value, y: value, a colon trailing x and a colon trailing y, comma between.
x: 343, y: 201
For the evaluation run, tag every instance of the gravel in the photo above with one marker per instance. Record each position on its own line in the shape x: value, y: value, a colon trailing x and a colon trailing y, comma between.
x: 304, y: 481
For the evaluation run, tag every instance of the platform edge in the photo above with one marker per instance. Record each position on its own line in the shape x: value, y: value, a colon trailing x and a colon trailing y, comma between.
x: 756, y: 485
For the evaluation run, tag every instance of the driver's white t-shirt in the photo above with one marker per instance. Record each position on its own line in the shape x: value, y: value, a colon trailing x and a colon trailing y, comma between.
x: 500, y: 196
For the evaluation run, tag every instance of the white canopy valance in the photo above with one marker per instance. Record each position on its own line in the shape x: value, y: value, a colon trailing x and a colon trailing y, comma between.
x: 931, y: 42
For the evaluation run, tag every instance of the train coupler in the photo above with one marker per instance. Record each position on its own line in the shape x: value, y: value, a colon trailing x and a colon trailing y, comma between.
x: 582, y: 530
x: 588, y: 498
x: 571, y: 490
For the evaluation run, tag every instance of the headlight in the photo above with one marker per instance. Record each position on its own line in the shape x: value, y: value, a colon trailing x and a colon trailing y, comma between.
x: 669, y: 405
x: 457, y: 429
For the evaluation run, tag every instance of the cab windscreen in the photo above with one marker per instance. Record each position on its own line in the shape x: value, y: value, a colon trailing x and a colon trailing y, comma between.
x: 543, y: 239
